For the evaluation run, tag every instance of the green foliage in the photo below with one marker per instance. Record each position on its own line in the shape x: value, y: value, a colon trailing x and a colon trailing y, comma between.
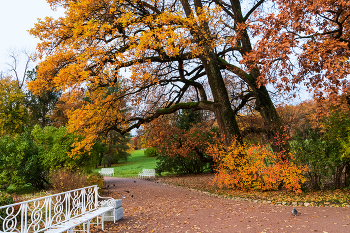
x: 311, y: 151
x: 191, y: 164
x: 29, y: 157
x: 32, y: 168
x: 187, y: 118
x: 322, y: 150
x: 151, y: 152
x: 5, y: 199
x: 40, y: 105
x: 9, y: 163
x: 20, y: 162
x: 55, y: 145
x: 117, y: 148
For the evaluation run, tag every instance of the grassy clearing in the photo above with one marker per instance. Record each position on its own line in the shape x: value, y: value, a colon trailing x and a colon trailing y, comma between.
x: 136, y: 162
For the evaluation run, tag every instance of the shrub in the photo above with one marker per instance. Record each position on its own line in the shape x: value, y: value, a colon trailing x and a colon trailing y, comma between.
x: 256, y: 167
x: 191, y: 164
x: 5, y: 199
x: 151, y: 152
x: 65, y: 180
x: 55, y: 146
x: 95, y: 178
x: 20, y: 162
x: 323, y: 149
x: 181, y: 145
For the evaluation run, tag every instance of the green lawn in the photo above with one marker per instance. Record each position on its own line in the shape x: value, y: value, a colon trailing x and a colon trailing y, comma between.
x: 136, y: 162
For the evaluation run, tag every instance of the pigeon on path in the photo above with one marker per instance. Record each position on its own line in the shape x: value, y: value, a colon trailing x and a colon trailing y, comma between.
x: 294, y: 212
x: 134, y: 181
x: 127, y: 191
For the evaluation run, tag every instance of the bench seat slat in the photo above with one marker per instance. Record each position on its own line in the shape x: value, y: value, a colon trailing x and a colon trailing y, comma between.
x: 77, y: 221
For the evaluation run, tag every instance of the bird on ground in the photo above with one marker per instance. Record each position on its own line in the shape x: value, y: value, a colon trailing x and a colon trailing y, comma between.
x: 294, y: 212
x: 123, y: 196
x: 127, y: 191
x: 113, y: 184
x: 132, y: 195
x: 134, y: 181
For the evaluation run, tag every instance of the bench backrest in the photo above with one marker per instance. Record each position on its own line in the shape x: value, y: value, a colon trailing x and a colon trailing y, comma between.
x: 107, y: 170
x: 39, y: 214
x: 148, y: 171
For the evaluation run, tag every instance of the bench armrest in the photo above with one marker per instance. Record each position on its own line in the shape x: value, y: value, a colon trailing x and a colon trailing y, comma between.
x: 106, y: 201
x: 109, y: 202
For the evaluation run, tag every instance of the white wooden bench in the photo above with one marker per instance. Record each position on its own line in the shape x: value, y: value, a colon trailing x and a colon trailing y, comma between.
x: 147, y: 173
x: 60, y: 212
x: 107, y: 171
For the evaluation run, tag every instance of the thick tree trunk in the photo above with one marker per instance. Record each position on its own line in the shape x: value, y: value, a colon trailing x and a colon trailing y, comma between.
x: 264, y: 103
x: 272, y: 121
x: 223, y: 110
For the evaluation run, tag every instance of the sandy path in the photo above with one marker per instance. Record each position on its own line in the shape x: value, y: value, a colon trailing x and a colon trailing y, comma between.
x: 155, y: 207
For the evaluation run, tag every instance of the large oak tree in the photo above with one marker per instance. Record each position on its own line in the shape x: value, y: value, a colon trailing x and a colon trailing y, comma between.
x: 139, y: 59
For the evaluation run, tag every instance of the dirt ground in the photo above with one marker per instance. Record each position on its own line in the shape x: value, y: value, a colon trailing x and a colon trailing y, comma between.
x: 155, y: 207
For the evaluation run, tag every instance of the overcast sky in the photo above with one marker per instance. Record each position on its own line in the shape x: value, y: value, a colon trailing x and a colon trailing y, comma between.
x: 16, y: 18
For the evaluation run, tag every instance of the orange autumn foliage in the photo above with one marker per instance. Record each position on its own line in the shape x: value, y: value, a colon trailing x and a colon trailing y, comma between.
x: 292, y: 116
x: 169, y: 139
x: 163, y: 56
x: 256, y: 167
x: 307, y: 43
x: 59, y: 115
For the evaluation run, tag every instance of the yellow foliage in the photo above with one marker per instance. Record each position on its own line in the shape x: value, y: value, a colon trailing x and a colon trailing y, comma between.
x: 13, y: 112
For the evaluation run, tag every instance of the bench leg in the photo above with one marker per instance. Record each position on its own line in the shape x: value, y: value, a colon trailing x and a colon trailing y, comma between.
x: 114, y: 215
x: 102, y: 221
x: 88, y: 226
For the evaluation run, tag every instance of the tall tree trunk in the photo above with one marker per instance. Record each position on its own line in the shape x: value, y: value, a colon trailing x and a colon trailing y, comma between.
x: 272, y: 121
x: 264, y: 103
x: 109, y: 155
x: 223, y: 111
